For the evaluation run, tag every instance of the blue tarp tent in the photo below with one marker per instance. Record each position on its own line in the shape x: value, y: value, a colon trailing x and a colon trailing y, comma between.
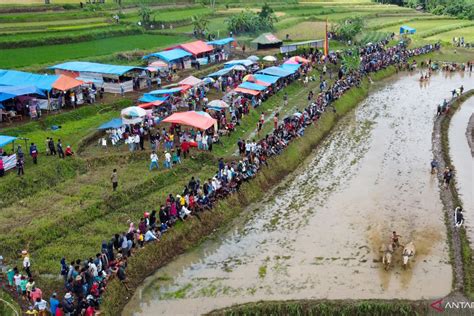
x: 147, y: 98
x: 20, y: 78
x: 407, y: 30
x: 291, y: 67
x: 10, y: 92
x: 243, y: 62
x: 252, y: 86
x: 221, y: 72
x: 5, y: 140
x: 275, y: 71
x: 165, y: 91
x: 113, y: 123
x: 170, y: 55
x: 84, y: 66
x: 221, y: 42
x: 265, y: 78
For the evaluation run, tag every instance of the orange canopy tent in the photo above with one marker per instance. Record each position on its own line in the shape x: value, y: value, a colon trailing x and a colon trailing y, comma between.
x: 300, y: 59
x: 149, y: 105
x: 65, y: 83
x: 247, y: 91
x: 191, y: 118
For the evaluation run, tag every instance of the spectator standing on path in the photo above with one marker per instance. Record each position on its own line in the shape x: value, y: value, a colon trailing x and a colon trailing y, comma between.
x: 154, y: 161
x: 2, y: 168
x: 122, y: 90
x: 20, y: 166
x: 448, y: 175
x: 34, y: 153
x: 60, y: 149
x: 47, y: 146
x: 114, y: 179
x: 52, y: 148
x: 26, y: 263
x: 53, y: 303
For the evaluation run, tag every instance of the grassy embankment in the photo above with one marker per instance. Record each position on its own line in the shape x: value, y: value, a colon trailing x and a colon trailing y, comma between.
x: 326, y: 308
x: 147, y: 260
x: 466, y: 249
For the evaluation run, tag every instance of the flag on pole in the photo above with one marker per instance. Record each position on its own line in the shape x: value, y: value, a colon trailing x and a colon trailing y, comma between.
x: 326, y: 40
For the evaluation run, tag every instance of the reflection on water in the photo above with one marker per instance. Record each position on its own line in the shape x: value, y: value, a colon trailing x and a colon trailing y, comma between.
x: 463, y: 161
x: 318, y: 234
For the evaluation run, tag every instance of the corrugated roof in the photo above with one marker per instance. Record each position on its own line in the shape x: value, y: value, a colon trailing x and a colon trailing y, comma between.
x: 20, y: 78
x: 84, y: 66
x: 170, y: 55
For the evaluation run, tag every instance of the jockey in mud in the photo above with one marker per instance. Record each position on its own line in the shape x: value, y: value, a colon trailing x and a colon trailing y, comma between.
x: 394, y: 239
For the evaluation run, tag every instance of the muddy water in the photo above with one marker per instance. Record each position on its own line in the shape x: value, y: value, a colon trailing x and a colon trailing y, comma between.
x: 463, y: 161
x: 318, y: 234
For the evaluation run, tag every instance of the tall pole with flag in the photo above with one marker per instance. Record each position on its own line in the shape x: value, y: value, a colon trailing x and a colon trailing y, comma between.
x: 326, y: 40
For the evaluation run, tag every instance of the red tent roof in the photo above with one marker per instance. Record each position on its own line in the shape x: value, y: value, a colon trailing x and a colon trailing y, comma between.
x: 150, y: 104
x: 191, y: 118
x: 65, y: 83
x: 247, y: 91
x: 196, y: 47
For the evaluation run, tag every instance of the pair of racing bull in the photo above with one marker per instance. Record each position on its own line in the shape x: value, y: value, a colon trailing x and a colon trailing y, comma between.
x: 387, y: 251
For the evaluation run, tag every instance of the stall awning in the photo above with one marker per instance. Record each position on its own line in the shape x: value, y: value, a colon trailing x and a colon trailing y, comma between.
x: 65, y: 83
x: 170, y: 55
x: 246, y: 91
x: 291, y: 67
x: 149, y: 105
x: 147, y: 98
x: 165, y: 91
x: 221, y: 42
x: 221, y: 72
x: 10, y: 92
x: 113, y: 123
x: 20, y: 78
x: 243, y: 62
x: 406, y: 29
x: 266, y: 78
x: 191, y: 118
x: 252, y: 86
x: 5, y: 140
x: 275, y: 71
x: 84, y: 66
x: 196, y: 47
x: 191, y: 81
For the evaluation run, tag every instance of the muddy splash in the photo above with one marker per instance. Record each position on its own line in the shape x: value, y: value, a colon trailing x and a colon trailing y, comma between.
x: 463, y: 161
x: 318, y: 234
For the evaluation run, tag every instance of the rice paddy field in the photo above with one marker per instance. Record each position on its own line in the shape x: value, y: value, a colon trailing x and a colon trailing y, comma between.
x: 77, y: 196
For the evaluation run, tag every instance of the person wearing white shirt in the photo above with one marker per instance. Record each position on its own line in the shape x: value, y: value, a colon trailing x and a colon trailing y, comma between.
x: 199, y: 140
x: 204, y: 142
x: 154, y: 161
x: 167, y: 160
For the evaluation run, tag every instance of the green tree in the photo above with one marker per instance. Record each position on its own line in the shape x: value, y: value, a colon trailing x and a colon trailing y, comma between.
x: 351, y: 60
x: 347, y: 29
x: 145, y: 15
x: 200, y: 25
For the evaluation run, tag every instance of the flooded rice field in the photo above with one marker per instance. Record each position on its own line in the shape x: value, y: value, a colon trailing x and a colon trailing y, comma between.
x: 318, y: 234
x: 463, y: 161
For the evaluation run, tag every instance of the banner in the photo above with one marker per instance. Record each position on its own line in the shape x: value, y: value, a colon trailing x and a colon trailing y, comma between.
x: 326, y: 40
x: 9, y: 162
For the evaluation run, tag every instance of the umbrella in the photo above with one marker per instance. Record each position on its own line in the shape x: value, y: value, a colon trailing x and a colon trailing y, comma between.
x: 217, y: 104
x: 158, y: 64
x: 253, y: 58
x: 208, y: 80
x: 239, y: 67
x: 249, y: 78
x: 297, y: 114
x: 132, y: 115
x: 269, y: 58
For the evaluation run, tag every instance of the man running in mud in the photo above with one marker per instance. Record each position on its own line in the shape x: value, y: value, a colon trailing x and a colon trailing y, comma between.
x: 395, y: 241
